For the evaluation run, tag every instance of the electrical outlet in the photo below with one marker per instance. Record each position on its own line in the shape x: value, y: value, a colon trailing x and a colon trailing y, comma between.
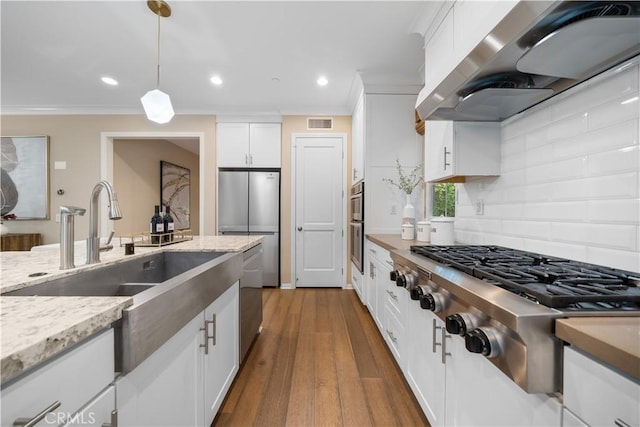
x: 57, y: 217
x: 394, y: 210
x: 480, y: 207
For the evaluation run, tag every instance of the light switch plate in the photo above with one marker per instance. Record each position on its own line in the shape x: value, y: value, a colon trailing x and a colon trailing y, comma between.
x: 480, y: 207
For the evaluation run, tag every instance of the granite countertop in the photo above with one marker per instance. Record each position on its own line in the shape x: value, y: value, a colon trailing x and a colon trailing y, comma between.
x: 613, y: 340
x: 393, y: 241
x: 33, y: 329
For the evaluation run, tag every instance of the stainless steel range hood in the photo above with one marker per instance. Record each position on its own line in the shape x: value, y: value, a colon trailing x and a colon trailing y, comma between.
x: 548, y: 47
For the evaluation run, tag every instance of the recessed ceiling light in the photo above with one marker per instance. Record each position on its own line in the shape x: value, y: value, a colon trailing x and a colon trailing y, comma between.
x: 216, y: 80
x: 322, y: 81
x: 110, y: 81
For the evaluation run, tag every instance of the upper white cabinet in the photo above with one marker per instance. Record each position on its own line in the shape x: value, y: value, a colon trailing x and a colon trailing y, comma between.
x: 454, y: 150
x: 464, y: 25
x: 357, y: 141
x: 243, y: 145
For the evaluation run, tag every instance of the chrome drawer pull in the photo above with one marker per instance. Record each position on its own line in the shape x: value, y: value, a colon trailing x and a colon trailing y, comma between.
x: 206, y: 335
x: 621, y: 423
x: 433, y: 336
x: 392, y: 295
x: 444, y: 344
x: 373, y: 250
x: 394, y: 339
x: 30, y: 422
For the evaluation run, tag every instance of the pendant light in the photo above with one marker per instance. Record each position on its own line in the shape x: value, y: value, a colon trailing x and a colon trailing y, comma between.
x: 157, y: 104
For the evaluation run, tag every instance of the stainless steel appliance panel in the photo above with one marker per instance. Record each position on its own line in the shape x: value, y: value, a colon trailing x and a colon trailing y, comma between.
x: 270, y: 258
x: 250, y: 298
x: 233, y: 201
x: 264, y: 202
x: 357, y: 244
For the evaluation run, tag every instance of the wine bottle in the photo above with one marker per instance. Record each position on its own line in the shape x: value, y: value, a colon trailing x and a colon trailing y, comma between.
x: 157, y: 226
x: 168, y: 225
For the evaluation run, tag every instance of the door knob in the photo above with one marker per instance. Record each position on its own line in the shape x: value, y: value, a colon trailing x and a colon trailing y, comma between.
x: 299, y: 228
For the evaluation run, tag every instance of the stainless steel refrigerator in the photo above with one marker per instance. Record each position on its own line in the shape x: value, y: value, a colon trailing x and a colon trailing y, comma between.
x: 249, y: 204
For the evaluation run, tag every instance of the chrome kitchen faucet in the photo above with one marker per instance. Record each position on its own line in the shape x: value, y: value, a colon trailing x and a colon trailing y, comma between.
x: 93, y: 242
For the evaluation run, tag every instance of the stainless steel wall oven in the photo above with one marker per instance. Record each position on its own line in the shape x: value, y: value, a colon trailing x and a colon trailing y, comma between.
x: 356, y: 225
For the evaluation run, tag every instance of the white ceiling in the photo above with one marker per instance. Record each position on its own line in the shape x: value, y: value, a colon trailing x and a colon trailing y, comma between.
x: 54, y: 53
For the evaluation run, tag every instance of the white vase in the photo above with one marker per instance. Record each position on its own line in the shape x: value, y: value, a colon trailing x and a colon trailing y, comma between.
x: 409, y: 217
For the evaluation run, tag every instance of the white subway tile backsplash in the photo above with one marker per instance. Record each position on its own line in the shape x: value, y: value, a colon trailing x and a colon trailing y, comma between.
x: 602, y: 235
x: 614, y: 211
x: 612, y: 162
x: 625, y: 260
x: 570, y: 181
x: 615, y: 111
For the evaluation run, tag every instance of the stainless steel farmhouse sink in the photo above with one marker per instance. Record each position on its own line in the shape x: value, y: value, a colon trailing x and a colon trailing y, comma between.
x: 126, y: 278
x: 168, y: 288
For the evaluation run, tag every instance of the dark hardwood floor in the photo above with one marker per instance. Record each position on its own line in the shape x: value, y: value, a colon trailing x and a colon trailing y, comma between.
x: 319, y: 361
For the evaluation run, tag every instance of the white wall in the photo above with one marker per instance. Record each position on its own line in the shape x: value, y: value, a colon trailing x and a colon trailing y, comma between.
x: 570, y: 181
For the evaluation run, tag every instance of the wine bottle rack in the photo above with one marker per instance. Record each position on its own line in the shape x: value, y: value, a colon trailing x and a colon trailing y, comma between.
x: 146, y: 239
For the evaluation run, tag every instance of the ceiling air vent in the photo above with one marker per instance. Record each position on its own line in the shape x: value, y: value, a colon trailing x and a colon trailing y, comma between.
x: 319, y: 123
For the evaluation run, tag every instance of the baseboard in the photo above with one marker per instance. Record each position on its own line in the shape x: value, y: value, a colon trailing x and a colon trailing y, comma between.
x: 286, y: 286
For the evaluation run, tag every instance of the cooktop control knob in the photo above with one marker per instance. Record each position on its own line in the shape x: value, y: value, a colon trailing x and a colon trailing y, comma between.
x: 483, y: 341
x: 460, y: 323
x: 419, y: 291
x: 408, y: 280
x: 393, y: 275
x: 401, y: 280
x: 433, y: 301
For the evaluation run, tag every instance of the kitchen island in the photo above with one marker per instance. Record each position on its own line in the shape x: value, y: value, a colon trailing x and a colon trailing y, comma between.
x: 36, y: 328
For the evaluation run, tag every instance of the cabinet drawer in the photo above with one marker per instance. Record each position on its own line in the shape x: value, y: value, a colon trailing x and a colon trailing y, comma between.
x: 72, y: 378
x: 381, y: 253
x: 394, y: 335
x: 97, y: 412
x: 597, y: 394
x: 397, y: 299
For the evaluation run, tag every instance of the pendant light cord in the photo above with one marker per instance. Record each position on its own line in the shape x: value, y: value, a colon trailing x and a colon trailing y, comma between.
x: 158, y: 74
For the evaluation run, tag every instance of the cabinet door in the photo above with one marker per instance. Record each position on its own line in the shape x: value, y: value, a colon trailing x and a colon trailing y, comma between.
x: 165, y: 389
x: 264, y: 146
x: 425, y: 368
x: 479, y: 394
x: 357, y: 144
x: 439, y: 141
x: 222, y: 358
x: 97, y: 412
x: 232, y: 144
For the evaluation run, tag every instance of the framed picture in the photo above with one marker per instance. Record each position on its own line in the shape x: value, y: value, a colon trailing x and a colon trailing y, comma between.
x: 25, y: 177
x: 175, y: 192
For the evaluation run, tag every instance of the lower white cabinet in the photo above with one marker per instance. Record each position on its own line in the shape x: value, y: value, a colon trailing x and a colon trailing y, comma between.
x: 358, y: 282
x: 184, y: 381
x: 597, y: 394
x: 73, y: 379
x: 99, y: 412
x: 458, y: 388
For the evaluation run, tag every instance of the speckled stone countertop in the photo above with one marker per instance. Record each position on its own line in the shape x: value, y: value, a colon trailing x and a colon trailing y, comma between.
x: 33, y: 329
x: 393, y: 241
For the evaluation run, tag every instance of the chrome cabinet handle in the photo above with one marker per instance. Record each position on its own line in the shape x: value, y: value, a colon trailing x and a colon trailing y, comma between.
x: 392, y: 295
x: 250, y: 159
x: 433, y: 336
x: 114, y: 420
x: 30, y: 422
x: 246, y: 159
x: 206, y: 336
x: 389, y: 262
x: 373, y: 250
x: 621, y: 423
x: 373, y: 270
x: 215, y: 329
x: 445, y: 158
x: 394, y: 339
x: 445, y: 353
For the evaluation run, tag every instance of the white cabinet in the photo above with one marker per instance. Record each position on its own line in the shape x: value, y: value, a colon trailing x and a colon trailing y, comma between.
x: 100, y: 412
x: 358, y: 282
x: 73, y: 379
x: 425, y: 366
x: 357, y: 141
x: 597, y: 394
x: 221, y: 362
x: 439, y: 54
x: 454, y: 150
x: 458, y: 388
x: 190, y: 373
x: 255, y: 145
x: 379, y: 269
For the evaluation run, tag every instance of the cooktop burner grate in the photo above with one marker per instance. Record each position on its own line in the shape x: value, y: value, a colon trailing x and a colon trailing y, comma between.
x: 551, y: 281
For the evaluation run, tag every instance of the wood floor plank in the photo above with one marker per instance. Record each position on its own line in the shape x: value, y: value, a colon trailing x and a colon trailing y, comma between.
x: 328, y: 411
x: 378, y: 398
x: 366, y: 364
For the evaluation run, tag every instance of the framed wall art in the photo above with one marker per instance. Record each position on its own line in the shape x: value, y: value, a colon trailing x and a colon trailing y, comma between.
x: 175, y: 192
x: 25, y: 177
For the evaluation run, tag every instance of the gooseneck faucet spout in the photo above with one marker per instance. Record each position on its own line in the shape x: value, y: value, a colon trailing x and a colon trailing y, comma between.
x: 93, y: 242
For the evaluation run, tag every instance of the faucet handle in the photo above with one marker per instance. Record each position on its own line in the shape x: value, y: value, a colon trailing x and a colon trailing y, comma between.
x: 72, y: 210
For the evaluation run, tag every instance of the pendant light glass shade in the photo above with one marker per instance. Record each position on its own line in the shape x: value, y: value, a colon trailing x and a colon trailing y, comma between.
x: 157, y: 106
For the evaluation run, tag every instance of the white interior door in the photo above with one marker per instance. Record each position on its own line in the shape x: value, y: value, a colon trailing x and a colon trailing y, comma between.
x: 319, y: 211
